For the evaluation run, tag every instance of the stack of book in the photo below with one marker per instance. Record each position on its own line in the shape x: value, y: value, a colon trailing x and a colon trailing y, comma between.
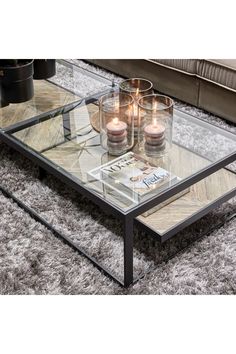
x: 136, y: 178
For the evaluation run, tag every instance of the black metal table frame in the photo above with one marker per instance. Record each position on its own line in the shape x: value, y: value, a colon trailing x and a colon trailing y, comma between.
x: 128, y: 218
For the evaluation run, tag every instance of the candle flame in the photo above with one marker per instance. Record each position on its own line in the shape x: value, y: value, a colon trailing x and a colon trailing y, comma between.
x: 137, y: 91
x: 116, y: 121
x: 154, y: 121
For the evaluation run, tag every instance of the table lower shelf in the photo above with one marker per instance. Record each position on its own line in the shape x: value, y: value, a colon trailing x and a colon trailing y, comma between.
x: 202, y: 198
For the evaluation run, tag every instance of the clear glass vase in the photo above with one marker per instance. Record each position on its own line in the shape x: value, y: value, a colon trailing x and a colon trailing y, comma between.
x: 155, y: 133
x: 116, y: 122
x: 136, y: 87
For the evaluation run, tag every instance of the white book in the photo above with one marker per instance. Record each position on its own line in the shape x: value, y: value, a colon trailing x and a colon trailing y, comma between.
x: 133, y: 176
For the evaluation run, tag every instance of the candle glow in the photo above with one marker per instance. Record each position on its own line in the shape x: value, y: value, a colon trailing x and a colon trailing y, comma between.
x: 154, y: 122
x: 154, y: 119
x: 135, y: 109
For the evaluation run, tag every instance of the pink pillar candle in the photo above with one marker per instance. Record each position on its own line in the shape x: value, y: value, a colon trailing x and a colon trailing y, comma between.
x: 154, y: 138
x: 116, y: 126
x: 154, y: 130
x: 116, y: 137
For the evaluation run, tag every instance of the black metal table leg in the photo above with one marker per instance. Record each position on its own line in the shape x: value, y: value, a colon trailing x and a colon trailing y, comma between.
x: 58, y: 234
x: 128, y: 250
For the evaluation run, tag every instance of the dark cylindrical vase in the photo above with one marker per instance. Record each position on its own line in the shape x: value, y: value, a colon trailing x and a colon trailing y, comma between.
x: 44, y: 68
x: 2, y: 102
x: 16, y: 81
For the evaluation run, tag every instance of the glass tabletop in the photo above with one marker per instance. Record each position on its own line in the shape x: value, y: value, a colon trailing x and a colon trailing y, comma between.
x: 69, y: 140
x: 70, y: 84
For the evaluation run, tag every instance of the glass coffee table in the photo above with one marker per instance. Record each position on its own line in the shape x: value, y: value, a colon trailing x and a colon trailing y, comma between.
x: 59, y: 131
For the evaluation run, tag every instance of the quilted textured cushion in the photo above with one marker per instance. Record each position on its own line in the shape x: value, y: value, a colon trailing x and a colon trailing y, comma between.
x: 219, y: 71
x: 186, y: 65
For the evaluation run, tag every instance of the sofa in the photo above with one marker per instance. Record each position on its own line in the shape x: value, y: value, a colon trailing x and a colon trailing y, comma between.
x: 207, y: 84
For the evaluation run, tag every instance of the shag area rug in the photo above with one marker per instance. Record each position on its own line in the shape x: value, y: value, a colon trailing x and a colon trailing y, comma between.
x: 199, y: 260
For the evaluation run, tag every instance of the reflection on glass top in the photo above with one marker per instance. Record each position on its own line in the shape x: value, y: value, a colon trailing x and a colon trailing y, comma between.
x: 49, y: 95
x: 70, y: 142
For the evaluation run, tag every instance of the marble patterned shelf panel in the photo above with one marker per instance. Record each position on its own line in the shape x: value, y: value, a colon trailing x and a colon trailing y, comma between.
x: 49, y: 133
x: 47, y: 97
x: 82, y: 154
x: 44, y: 135
x: 200, y: 196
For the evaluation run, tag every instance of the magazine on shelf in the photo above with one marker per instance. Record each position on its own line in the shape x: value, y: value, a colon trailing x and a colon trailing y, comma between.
x: 133, y: 176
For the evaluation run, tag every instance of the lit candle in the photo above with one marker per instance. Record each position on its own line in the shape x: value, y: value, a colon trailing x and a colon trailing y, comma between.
x: 116, y: 136
x: 135, y: 117
x: 116, y: 126
x: 154, y: 137
x: 154, y: 129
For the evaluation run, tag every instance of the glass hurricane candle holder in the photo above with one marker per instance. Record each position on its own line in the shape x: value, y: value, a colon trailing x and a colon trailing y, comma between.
x: 136, y: 87
x: 116, y: 123
x: 155, y: 135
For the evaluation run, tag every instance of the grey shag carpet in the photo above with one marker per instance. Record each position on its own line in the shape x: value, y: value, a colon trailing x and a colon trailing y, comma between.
x: 34, y: 261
